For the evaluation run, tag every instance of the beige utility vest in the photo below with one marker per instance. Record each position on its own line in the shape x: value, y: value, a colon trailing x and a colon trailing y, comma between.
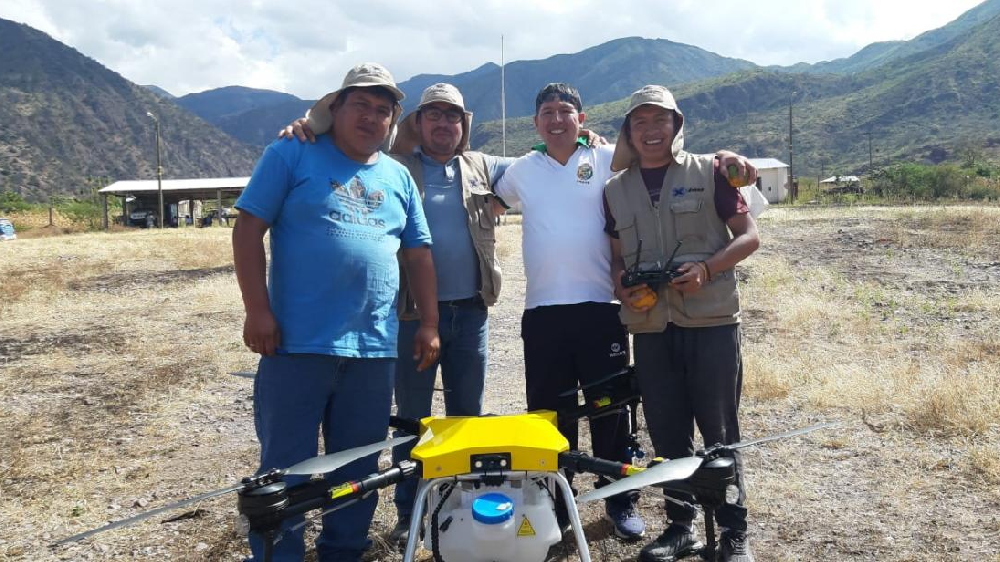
x: 478, y: 201
x: 685, y: 212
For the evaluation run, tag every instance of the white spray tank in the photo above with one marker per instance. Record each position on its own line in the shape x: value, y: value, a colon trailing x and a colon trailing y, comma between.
x: 512, y: 522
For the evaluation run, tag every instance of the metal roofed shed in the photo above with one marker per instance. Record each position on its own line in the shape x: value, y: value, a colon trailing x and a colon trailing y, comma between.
x: 843, y: 184
x: 841, y: 179
x: 139, y: 198
x: 772, y: 178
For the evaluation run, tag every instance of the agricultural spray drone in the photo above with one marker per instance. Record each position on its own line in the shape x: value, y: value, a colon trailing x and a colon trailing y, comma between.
x: 488, y: 485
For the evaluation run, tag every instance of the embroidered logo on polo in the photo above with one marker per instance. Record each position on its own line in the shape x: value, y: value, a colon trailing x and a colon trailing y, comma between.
x: 584, y: 172
x: 616, y: 350
x: 357, y: 202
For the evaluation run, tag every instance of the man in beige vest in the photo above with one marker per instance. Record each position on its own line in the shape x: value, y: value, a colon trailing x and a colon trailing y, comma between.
x: 455, y: 184
x: 687, y: 339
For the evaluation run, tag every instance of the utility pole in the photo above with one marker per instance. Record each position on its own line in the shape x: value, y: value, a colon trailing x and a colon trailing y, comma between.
x: 791, y: 166
x: 159, y: 168
x: 871, y: 162
x: 503, y: 101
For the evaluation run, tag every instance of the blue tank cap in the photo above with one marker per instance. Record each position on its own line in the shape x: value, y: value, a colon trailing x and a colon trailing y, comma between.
x: 492, y: 508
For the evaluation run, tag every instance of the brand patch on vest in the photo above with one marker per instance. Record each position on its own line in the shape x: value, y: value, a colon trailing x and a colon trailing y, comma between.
x: 679, y: 191
x: 584, y: 172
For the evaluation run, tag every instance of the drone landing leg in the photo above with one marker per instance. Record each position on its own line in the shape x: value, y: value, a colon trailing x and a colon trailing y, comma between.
x: 710, y: 545
x: 268, y: 545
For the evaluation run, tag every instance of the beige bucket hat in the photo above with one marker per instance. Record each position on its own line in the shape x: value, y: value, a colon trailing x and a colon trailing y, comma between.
x: 624, y: 156
x: 364, y: 75
x: 409, y: 133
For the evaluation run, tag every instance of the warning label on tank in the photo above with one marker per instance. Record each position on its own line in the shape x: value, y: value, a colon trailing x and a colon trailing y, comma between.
x: 525, y: 530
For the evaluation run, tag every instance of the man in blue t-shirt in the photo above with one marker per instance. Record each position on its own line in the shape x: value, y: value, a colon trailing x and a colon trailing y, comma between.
x: 338, y: 212
x: 456, y: 185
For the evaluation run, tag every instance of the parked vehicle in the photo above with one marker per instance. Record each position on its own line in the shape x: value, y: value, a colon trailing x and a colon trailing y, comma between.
x: 7, y: 230
x: 145, y: 218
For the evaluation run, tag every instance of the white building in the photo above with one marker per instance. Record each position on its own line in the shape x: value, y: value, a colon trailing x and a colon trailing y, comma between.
x: 772, y: 178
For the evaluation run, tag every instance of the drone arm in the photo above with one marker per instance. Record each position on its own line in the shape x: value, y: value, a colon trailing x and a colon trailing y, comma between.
x: 406, y: 425
x: 580, y: 462
x: 307, y: 499
x: 605, y: 404
x: 393, y: 475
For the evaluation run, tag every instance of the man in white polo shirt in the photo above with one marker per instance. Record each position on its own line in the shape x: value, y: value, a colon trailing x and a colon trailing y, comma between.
x: 571, y: 330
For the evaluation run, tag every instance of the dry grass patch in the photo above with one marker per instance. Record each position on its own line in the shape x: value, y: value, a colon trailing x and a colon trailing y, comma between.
x: 970, y: 231
x: 957, y: 402
x: 114, y: 393
x: 926, y: 358
x: 48, y: 267
x: 106, y: 334
x: 984, y: 461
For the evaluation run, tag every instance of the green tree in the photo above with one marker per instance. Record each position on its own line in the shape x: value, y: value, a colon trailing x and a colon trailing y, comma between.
x: 11, y: 202
x: 83, y: 212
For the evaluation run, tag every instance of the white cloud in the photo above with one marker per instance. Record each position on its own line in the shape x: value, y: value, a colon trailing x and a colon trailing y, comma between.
x: 305, y: 47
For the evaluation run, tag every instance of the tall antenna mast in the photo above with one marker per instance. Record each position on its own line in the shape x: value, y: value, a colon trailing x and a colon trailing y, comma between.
x: 503, y: 102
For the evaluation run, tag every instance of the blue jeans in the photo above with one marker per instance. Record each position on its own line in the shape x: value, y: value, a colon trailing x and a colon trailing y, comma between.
x: 350, y: 399
x: 463, y: 329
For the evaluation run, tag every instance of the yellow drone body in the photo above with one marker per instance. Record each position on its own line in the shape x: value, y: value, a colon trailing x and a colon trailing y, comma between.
x: 448, y: 444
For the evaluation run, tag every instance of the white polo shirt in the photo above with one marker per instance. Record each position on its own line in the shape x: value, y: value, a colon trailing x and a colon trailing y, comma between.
x: 567, y: 254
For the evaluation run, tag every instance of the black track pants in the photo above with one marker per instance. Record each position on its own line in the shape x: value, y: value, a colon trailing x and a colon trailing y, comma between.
x: 688, y: 376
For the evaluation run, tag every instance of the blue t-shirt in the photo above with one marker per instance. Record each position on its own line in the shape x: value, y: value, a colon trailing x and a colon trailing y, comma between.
x: 455, y: 261
x: 336, y: 226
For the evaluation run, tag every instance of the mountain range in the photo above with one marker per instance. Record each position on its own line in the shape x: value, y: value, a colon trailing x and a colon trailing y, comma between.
x: 603, y: 73
x: 64, y: 118
x: 923, y: 107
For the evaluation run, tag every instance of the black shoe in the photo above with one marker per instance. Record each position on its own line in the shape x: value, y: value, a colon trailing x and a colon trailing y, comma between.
x: 734, y: 547
x: 675, y: 543
x: 400, y: 534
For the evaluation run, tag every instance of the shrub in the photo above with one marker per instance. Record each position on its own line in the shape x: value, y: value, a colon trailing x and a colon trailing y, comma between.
x: 11, y: 202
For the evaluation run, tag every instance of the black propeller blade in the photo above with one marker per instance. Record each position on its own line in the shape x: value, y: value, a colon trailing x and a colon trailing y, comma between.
x: 151, y: 513
x: 680, y: 469
x: 785, y: 435
x: 315, y: 465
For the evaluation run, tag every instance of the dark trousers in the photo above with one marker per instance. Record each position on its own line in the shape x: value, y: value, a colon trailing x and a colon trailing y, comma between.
x: 297, y: 395
x: 688, y: 376
x: 569, y: 345
x: 464, y: 331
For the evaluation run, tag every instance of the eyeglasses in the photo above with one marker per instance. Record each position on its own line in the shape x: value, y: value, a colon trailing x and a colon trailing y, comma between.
x: 434, y: 114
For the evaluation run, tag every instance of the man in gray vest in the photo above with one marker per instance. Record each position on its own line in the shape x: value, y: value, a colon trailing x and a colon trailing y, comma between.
x: 461, y: 211
x: 687, y: 341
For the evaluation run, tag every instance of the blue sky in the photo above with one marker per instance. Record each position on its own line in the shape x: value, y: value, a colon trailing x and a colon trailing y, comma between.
x: 305, y: 47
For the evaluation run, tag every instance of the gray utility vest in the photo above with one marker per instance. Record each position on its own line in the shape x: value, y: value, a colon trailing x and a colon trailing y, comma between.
x: 685, y: 212
x: 478, y: 201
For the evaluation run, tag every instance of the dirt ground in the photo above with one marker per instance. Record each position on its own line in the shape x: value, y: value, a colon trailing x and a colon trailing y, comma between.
x: 116, y: 394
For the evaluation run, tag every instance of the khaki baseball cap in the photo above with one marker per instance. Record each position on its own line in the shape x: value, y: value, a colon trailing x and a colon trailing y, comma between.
x: 409, y: 133
x: 364, y: 75
x: 624, y: 156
